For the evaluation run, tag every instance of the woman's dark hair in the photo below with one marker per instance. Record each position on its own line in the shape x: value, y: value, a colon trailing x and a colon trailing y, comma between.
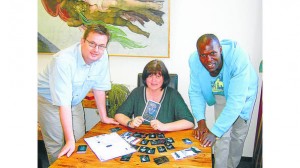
x: 156, y: 67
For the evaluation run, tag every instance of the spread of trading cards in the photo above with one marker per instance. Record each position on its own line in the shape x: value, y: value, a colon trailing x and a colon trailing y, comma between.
x: 151, y: 110
x: 159, y: 143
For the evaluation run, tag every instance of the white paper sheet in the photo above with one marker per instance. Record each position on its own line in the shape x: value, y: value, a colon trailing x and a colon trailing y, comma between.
x: 109, y: 146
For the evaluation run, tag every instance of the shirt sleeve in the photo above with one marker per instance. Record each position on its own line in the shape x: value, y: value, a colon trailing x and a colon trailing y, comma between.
x: 197, y: 101
x: 60, y: 82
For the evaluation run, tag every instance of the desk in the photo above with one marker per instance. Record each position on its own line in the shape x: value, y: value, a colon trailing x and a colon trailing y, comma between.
x: 89, y: 159
x: 89, y: 101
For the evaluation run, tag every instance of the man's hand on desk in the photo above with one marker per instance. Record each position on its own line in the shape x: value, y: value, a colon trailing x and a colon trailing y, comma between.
x: 200, y: 130
x: 108, y: 120
x: 67, y: 149
x: 208, y: 139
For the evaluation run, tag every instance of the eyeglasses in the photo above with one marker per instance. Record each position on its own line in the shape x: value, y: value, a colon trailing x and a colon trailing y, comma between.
x: 94, y: 45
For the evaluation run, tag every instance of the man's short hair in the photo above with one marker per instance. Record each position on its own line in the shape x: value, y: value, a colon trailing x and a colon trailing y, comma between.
x: 96, y: 29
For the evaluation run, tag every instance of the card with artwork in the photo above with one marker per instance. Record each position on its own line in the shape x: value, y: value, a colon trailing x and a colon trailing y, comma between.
x: 151, y: 110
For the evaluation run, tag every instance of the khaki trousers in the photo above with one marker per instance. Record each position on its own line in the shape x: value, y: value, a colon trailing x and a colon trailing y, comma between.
x: 49, y: 120
x: 228, y: 149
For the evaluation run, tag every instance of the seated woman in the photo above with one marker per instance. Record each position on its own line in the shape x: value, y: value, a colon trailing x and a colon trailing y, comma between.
x: 173, y: 114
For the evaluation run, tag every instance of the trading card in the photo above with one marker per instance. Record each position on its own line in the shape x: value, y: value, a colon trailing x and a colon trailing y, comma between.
x: 144, y: 142
x: 129, y: 139
x: 126, y: 134
x: 160, y: 135
x: 161, y: 149
x: 135, y: 141
x: 150, y: 151
x: 154, y: 142
x: 187, y: 141
x: 81, y: 148
x: 161, y: 141
x: 170, y: 140
x: 169, y: 146
x: 196, y: 150
x: 152, y: 135
x: 144, y: 158
x: 138, y: 134
x: 144, y: 135
x: 143, y: 149
x: 151, y: 110
x: 161, y: 160
x: 135, y: 146
x: 116, y: 129
x: 126, y: 157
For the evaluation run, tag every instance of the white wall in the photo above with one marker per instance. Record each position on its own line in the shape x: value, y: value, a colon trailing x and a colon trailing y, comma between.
x: 240, y: 20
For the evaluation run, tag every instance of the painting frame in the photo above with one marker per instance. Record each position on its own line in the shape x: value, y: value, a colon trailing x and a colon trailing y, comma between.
x: 159, y: 36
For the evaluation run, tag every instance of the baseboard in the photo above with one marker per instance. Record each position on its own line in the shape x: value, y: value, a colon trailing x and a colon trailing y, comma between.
x: 246, y: 159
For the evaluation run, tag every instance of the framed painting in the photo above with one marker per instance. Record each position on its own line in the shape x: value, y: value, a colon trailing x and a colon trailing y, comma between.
x: 139, y: 28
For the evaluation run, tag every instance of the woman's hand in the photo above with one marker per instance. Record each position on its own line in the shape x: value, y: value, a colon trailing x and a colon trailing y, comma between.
x: 157, y: 125
x: 136, y: 122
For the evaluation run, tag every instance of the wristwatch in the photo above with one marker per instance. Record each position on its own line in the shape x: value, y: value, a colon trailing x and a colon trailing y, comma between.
x: 128, y: 123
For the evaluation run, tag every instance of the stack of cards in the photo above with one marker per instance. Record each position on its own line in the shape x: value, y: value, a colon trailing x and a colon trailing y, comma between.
x: 160, y: 160
x: 185, y: 153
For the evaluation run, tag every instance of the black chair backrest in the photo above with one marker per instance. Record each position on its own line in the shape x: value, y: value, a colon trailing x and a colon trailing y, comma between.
x: 173, y: 81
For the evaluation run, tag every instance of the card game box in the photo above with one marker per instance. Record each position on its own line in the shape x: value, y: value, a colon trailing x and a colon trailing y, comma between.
x: 185, y: 153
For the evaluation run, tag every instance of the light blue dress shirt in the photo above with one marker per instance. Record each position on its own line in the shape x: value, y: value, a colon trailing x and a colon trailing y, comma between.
x: 67, y: 79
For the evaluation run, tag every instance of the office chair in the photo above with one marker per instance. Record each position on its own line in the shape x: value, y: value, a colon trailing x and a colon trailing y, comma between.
x: 173, y: 81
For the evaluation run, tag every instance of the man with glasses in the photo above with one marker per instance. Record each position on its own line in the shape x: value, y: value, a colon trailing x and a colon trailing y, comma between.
x: 64, y: 83
x: 221, y: 74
